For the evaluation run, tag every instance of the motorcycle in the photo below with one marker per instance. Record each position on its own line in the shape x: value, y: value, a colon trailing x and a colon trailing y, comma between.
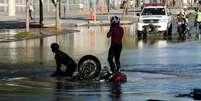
x: 89, y: 68
x: 182, y: 28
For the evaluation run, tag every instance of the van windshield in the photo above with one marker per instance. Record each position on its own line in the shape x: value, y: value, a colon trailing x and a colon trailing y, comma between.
x: 153, y: 11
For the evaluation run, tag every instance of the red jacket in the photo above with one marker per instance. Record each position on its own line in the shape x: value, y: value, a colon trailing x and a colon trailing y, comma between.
x: 117, y: 34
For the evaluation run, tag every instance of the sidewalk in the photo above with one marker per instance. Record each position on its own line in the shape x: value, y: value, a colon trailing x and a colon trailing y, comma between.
x: 71, y: 20
x: 104, y: 19
x: 75, y: 20
x: 10, y: 25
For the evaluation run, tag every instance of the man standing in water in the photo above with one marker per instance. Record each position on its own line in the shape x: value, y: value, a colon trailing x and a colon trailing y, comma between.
x: 116, y: 33
x: 198, y: 21
x: 62, y: 58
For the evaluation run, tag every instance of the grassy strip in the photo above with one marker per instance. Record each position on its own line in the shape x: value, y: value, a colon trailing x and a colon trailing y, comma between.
x: 26, y: 35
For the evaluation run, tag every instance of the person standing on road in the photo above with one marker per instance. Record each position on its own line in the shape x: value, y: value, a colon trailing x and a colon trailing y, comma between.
x: 116, y: 33
x: 198, y: 19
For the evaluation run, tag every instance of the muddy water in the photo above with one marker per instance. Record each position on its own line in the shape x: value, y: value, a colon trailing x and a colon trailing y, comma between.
x: 156, y: 68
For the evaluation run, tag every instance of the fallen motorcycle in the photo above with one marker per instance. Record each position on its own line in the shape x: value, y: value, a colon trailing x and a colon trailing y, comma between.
x: 182, y: 28
x: 89, y: 68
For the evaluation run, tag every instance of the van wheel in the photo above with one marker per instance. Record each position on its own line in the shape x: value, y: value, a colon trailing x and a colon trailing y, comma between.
x: 144, y: 35
x: 168, y: 31
x: 139, y: 34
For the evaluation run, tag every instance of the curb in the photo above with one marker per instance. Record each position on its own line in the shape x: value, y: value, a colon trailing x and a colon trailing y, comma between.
x: 101, y: 23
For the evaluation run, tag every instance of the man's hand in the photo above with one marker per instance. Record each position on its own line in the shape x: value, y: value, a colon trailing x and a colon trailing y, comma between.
x: 109, y: 34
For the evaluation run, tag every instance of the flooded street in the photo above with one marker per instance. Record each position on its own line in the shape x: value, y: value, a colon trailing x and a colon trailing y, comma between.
x: 156, y: 68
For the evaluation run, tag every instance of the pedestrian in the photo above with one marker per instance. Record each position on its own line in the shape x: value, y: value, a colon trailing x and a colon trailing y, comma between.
x: 116, y: 33
x: 30, y: 11
x: 198, y: 19
x: 81, y: 8
x: 182, y: 27
x: 63, y: 58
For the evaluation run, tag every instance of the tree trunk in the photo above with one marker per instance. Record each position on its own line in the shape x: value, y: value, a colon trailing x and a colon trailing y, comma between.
x: 59, y: 9
x: 27, y: 15
x: 58, y: 26
x: 41, y: 13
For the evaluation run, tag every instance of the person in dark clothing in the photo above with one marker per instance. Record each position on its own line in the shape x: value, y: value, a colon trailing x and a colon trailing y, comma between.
x: 63, y: 58
x: 116, y: 33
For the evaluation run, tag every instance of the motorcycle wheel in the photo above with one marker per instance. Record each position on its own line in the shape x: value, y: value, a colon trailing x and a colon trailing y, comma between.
x: 89, y: 67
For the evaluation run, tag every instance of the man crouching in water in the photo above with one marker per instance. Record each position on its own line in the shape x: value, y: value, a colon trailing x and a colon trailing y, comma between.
x: 62, y: 58
x: 116, y: 33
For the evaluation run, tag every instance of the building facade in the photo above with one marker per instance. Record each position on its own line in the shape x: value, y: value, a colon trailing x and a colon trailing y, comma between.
x: 17, y: 7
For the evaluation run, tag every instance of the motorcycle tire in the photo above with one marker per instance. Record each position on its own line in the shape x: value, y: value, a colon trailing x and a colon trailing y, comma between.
x: 89, y: 67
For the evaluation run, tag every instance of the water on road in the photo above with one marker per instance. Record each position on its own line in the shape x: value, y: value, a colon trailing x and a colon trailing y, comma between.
x: 155, y: 68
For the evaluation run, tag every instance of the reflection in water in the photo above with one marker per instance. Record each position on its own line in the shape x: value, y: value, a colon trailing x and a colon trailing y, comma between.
x: 80, y: 91
x: 7, y: 34
x: 60, y: 91
x: 84, y: 91
x: 152, y: 43
x: 116, y: 92
x: 140, y: 44
x: 162, y: 43
x: 148, y: 66
x: 90, y: 40
x: 41, y: 50
x: 13, y: 53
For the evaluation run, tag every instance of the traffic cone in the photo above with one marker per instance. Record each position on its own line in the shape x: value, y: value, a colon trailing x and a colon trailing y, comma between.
x: 90, y: 14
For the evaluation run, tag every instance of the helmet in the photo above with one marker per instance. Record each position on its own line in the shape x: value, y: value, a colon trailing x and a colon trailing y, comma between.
x: 115, y: 20
x: 55, y: 46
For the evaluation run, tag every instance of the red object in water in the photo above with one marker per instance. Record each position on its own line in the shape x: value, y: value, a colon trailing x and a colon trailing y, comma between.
x: 119, y: 77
